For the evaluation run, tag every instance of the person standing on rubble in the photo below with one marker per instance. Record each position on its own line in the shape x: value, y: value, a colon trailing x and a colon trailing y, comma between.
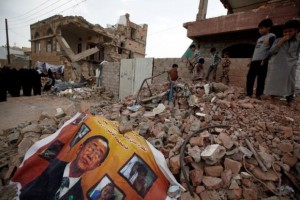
x: 282, y: 73
x: 99, y: 73
x: 259, y: 63
x: 215, y: 60
x: 172, y: 77
x: 195, y: 58
x: 62, y: 180
x: 173, y: 73
x: 225, y: 65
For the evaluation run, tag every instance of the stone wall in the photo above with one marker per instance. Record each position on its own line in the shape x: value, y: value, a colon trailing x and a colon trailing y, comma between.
x: 111, y: 77
x: 238, y: 69
x: 238, y: 72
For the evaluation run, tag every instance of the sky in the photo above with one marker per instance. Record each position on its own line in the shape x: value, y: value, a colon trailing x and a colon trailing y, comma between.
x: 166, y: 35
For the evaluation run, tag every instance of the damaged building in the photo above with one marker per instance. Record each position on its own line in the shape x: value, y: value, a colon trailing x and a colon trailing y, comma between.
x: 72, y: 40
x: 237, y: 31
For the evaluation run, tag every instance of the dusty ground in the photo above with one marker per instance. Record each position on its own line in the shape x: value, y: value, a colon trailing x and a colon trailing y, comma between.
x: 21, y: 109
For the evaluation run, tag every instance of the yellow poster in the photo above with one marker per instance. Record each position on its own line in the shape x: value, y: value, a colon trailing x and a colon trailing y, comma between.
x: 89, y: 159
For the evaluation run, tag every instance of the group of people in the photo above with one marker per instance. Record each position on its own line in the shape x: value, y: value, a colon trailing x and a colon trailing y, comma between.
x: 273, y: 63
x: 197, y: 62
x: 13, y: 81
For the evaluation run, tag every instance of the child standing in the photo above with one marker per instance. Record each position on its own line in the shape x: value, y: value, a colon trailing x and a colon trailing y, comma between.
x: 259, y: 62
x: 215, y: 60
x: 285, y: 51
x: 198, y: 72
x: 195, y: 58
x: 173, y: 76
x: 173, y: 73
x: 225, y: 65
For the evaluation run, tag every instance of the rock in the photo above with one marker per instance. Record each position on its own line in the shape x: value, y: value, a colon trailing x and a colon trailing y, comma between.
x: 249, y: 193
x: 200, y: 189
x: 246, y: 151
x: 144, y: 128
x: 213, y: 153
x: 286, y: 132
x: 157, y: 129
x: 289, y: 159
x: 195, y: 153
x: 174, y: 164
x: 226, y: 140
x: 233, y: 165
x: 199, y: 141
x: 59, y: 113
x: 196, y: 176
x: 234, y: 194
x: 247, y: 182
x: 34, y: 127
x: 173, y: 138
x: 285, y: 147
x: 267, y: 176
x: 210, y: 195
x: 234, y: 185
x: 224, y: 104
x: 156, y: 142
x: 296, y: 152
x: 24, y: 145
x: 219, y: 87
x: 125, y: 127
x: 13, y: 137
x: 267, y: 159
x: 83, y: 106
x: 174, y: 130
x: 226, y: 177
x: 246, y: 105
x: 214, y: 171
x: 188, y: 196
x: 195, y: 126
x: 212, y: 183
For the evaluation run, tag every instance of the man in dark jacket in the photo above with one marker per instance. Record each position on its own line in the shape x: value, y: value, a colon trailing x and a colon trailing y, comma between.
x: 62, y: 180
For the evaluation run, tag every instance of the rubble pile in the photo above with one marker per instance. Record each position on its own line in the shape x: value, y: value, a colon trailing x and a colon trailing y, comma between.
x: 230, y: 147
x: 86, y: 93
x: 255, y: 157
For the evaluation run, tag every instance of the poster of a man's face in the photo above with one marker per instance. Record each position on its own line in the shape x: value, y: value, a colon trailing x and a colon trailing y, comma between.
x: 138, y: 174
x: 92, y: 152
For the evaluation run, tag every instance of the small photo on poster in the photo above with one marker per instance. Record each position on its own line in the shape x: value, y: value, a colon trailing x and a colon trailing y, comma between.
x: 105, y: 190
x: 79, y: 119
x: 51, y: 152
x: 84, y: 129
x: 138, y: 174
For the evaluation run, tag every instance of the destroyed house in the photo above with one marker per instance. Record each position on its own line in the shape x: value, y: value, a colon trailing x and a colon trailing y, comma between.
x: 237, y: 31
x: 58, y: 38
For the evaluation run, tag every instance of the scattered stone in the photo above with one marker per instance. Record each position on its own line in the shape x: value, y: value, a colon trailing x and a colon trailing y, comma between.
x: 196, y: 176
x: 289, y: 159
x: 214, y: 171
x: 285, y: 147
x: 233, y: 165
x: 213, y: 153
x: 226, y: 140
x: 212, y: 183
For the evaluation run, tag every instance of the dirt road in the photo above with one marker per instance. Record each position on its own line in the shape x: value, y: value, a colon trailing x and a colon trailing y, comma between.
x: 21, y: 109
